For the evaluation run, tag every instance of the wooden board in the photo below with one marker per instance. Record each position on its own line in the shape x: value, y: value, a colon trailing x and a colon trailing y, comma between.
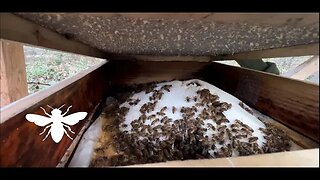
x: 306, y: 158
x: 257, y: 18
x: 300, y: 50
x: 13, y: 72
x: 15, y: 28
x: 21, y: 145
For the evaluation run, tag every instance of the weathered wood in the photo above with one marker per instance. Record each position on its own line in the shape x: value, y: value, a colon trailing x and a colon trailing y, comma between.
x: 21, y: 145
x: 13, y: 72
x: 18, y: 29
x: 309, y: 158
x: 291, y: 102
x: 305, y: 69
x: 257, y: 18
x: 299, y: 50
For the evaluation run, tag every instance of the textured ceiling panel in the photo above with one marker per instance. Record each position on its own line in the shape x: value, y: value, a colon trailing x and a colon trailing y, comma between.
x: 204, y: 35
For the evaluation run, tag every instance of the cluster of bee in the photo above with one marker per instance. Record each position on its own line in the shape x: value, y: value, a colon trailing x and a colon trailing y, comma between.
x: 276, y: 139
x: 187, y: 138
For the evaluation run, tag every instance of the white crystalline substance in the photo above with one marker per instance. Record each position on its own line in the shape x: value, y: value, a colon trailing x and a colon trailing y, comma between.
x: 177, y: 97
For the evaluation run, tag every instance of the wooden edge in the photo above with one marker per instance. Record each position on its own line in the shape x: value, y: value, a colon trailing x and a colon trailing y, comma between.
x: 298, y: 50
x: 257, y: 18
x: 15, y: 28
x: 70, y: 151
x: 306, y: 158
x: 22, y: 104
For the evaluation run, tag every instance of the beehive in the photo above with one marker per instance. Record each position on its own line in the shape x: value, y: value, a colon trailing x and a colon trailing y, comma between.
x: 180, y: 52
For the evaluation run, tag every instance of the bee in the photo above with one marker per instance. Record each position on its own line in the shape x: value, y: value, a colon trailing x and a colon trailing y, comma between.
x: 223, y: 120
x: 239, y: 136
x: 211, y: 126
x: 58, y: 120
x: 124, y: 125
x: 188, y: 99
x: 153, y: 122
x: 174, y: 109
x: 253, y: 139
x: 163, y: 109
x: 195, y: 98
x: 222, y: 128
x: 161, y: 113
x: 166, y: 87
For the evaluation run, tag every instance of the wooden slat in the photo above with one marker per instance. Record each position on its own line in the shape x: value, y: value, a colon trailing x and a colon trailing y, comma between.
x: 309, y: 158
x: 18, y: 29
x: 305, y: 69
x: 256, y: 18
x: 21, y: 145
x: 13, y: 72
x: 299, y: 50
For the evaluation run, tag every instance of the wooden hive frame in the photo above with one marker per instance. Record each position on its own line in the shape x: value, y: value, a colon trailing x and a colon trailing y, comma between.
x: 292, y: 103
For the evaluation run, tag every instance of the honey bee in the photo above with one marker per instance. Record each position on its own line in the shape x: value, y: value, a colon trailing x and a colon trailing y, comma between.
x: 239, y: 136
x: 195, y: 98
x: 166, y: 87
x: 163, y: 109
x: 188, y: 99
x: 124, y: 125
x: 223, y: 120
x: 174, y: 109
x: 253, y: 139
x: 211, y: 126
x: 222, y: 128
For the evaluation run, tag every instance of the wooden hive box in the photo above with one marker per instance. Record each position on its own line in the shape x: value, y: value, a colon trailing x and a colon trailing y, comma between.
x: 293, y: 104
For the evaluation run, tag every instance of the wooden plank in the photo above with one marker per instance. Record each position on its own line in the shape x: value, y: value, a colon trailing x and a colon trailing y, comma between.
x: 299, y: 50
x: 309, y: 158
x: 305, y: 69
x: 13, y: 72
x: 291, y: 102
x: 256, y: 18
x: 21, y: 145
x: 18, y: 29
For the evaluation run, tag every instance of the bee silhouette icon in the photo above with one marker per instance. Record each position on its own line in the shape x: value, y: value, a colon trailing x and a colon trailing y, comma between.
x: 56, y: 122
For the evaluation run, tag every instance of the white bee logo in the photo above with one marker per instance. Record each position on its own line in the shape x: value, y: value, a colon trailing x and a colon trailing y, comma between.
x: 58, y: 122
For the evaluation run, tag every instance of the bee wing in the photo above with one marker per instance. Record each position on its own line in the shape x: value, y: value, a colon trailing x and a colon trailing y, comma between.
x: 38, y: 119
x: 74, y: 118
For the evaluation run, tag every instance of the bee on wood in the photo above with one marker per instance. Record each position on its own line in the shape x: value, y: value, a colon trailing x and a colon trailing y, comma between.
x: 174, y: 109
x: 253, y: 139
